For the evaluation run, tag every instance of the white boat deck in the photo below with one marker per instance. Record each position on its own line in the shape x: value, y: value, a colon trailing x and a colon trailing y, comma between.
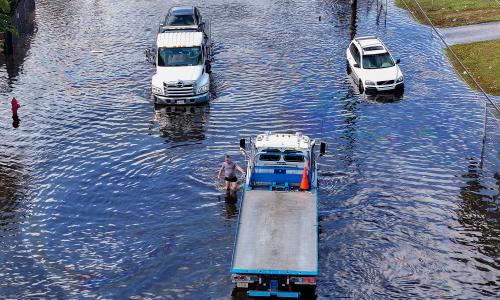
x: 277, y: 232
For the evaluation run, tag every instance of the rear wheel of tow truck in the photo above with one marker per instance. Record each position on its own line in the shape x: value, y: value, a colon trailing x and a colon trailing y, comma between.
x: 241, y: 293
x: 306, y: 291
x: 361, y: 87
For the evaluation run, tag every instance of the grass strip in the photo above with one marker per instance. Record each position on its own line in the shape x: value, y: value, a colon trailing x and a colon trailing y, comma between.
x: 450, y: 13
x: 482, y: 59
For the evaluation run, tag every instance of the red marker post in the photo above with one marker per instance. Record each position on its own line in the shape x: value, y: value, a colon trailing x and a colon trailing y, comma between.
x: 15, y: 106
x: 15, y: 117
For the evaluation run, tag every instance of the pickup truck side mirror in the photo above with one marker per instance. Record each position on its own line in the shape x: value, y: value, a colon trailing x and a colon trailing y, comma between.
x: 322, y: 148
x: 356, y: 66
x: 242, y: 144
x: 161, y: 27
x: 398, y: 61
x: 208, y: 69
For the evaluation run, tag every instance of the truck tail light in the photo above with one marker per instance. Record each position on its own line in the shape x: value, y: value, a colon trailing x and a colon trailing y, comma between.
x: 243, y: 278
x: 303, y: 280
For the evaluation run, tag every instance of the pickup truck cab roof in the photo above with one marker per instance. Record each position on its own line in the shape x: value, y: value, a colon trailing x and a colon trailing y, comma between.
x: 180, y: 39
x: 182, y: 18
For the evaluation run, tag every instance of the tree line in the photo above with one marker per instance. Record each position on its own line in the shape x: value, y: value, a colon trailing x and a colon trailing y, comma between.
x: 5, y: 7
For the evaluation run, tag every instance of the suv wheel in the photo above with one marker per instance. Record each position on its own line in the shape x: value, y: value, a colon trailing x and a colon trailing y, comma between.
x: 361, y: 87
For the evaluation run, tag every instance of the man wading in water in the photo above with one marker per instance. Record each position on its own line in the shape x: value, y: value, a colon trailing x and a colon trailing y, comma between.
x: 229, y: 167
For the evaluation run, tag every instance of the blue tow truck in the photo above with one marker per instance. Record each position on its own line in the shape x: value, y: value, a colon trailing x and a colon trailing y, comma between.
x: 276, y: 245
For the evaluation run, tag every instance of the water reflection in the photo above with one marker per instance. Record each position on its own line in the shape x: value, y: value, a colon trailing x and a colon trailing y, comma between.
x: 479, y: 211
x: 18, y: 45
x: 385, y: 97
x: 354, y: 14
x: 11, y: 193
x: 15, y: 121
x: 180, y: 123
x: 230, y: 200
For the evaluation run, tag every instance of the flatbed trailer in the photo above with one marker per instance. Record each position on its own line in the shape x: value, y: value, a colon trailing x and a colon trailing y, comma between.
x: 277, y: 234
x: 276, y: 244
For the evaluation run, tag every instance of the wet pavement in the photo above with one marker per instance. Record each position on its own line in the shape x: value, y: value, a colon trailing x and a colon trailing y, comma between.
x: 471, y: 33
x: 102, y: 194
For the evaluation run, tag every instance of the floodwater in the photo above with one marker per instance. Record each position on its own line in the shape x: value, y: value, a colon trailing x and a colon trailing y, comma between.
x: 103, y: 195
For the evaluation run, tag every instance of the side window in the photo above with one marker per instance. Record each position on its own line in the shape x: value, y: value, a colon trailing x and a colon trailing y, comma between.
x: 355, y: 54
x: 352, y: 48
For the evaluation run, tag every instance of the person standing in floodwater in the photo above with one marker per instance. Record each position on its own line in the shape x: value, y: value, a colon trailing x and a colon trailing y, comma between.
x: 15, y: 117
x: 229, y: 167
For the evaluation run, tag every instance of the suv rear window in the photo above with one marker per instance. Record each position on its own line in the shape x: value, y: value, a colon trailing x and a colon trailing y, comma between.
x: 373, y: 48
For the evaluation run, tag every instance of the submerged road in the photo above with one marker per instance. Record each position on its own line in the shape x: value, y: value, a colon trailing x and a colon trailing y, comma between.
x: 104, y: 195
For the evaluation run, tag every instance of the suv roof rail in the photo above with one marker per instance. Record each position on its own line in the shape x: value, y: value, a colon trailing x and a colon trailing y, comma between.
x: 368, y: 37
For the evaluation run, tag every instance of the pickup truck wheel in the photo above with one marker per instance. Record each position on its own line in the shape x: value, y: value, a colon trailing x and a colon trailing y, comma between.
x: 361, y: 87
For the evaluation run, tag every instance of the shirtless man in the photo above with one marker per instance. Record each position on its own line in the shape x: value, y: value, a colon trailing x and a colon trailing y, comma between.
x: 229, y: 167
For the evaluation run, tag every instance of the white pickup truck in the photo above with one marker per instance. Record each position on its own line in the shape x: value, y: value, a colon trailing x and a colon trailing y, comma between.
x: 183, y: 61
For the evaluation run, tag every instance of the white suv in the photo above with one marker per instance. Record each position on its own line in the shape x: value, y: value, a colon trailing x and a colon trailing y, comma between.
x: 372, y: 66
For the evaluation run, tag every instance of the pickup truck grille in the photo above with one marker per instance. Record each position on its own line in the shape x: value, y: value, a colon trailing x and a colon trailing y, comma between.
x: 385, y: 82
x: 180, y: 89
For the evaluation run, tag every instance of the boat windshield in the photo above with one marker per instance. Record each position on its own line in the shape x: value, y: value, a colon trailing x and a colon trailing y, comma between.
x: 377, y: 61
x: 183, y: 20
x: 175, y: 57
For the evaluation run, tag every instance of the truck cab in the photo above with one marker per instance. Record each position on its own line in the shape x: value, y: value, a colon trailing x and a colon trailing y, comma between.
x: 278, y: 161
x: 182, y: 60
x: 276, y: 245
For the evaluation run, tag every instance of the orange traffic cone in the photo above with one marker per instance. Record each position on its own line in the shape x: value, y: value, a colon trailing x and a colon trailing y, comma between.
x: 304, y: 184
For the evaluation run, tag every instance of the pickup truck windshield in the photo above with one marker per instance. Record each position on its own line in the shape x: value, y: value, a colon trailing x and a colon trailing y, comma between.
x: 377, y: 61
x: 185, y: 20
x: 175, y: 57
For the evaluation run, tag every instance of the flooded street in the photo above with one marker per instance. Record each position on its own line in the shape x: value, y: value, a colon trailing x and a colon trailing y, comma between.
x: 102, y: 194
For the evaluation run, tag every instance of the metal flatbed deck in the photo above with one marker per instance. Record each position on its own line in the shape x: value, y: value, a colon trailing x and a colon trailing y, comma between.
x: 277, y: 234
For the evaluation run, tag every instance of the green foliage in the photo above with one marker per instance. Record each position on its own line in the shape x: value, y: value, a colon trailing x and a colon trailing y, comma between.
x: 5, y: 25
x: 4, y: 6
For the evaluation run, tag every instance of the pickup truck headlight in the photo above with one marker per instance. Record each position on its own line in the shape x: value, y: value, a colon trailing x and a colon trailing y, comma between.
x: 369, y: 82
x: 157, y: 90
x: 203, y: 89
x: 400, y: 79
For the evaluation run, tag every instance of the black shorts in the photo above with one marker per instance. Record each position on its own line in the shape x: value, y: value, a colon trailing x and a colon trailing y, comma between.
x: 232, y: 179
